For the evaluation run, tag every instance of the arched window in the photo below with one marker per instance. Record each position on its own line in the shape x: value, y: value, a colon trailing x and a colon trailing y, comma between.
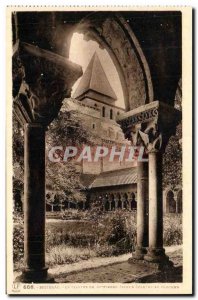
x: 133, y: 202
x: 111, y: 113
x: 103, y: 111
x: 170, y: 202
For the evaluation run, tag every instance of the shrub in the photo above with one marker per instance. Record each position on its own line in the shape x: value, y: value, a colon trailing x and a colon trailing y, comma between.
x: 62, y: 254
x: 173, y: 229
x: 112, y: 233
x: 18, y: 246
x: 116, y: 231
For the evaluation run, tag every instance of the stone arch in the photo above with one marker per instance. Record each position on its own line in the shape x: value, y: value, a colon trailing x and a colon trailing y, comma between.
x: 112, y: 199
x: 119, y: 201
x: 125, y: 201
x: 114, y: 34
x: 170, y: 202
x: 133, y: 202
x: 179, y: 202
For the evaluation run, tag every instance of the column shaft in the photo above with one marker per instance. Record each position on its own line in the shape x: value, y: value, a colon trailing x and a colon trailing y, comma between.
x: 156, y: 252
x: 142, y: 214
x: 34, y: 204
x: 155, y: 200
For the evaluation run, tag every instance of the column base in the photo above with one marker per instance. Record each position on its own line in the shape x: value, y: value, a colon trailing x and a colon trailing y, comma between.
x: 157, y: 258
x: 139, y: 253
x: 35, y: 276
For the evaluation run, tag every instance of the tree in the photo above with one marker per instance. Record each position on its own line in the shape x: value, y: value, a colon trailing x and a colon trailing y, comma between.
x: 172, y: 158
x: 67, y: 130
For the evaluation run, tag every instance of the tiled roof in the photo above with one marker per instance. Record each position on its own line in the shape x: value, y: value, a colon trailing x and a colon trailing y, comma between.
x: 95, y: 79
x: 117, y: 177
x: 87, y: 179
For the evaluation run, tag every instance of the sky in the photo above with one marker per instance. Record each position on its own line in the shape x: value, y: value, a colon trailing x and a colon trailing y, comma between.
x: 81, y: 52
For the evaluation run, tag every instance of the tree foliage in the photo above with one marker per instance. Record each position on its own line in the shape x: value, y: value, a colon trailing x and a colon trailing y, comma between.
x: 172, y: 159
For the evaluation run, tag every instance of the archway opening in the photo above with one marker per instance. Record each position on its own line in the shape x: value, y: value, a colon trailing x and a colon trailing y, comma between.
x: 125, y: 201
x: 133, y: 202
x: 170, y: 203
x: 119, y: 205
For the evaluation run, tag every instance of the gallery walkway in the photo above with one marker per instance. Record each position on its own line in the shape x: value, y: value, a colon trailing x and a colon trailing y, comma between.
x: 122, y: 272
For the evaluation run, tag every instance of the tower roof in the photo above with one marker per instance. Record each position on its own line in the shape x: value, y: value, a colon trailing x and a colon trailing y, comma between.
x: 95, y: 82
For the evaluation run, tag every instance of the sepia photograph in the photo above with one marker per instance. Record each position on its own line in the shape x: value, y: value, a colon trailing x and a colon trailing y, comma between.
x: 98, y: 201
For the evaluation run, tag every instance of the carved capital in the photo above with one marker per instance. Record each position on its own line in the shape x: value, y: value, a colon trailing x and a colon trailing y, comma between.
x: 41, y: 80
x: 150, y: 125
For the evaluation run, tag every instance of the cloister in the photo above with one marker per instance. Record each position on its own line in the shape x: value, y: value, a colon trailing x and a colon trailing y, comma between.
x: 149, y: 67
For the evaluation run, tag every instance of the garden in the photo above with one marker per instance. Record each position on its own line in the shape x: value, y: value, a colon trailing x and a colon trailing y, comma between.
x: 80, y: 235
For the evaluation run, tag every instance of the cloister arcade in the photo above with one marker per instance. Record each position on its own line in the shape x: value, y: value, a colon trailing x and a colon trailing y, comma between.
x: 173, y: 200
x: 136, y: 44
x: 113, y: 201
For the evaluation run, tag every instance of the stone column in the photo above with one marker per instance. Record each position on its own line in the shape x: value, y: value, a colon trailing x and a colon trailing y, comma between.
x: 177, y: 208
x: 142, y: 215
x: 156, y: 253
x: 34, y: 204
x: 37, y: 101
x: 122, y: 203
x: 151, y: 125
x: 116, y: 204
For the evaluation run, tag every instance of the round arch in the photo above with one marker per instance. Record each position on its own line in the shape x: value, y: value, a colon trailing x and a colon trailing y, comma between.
x: 115, y: 35
x: 170, y: 202
x: 133, y: 202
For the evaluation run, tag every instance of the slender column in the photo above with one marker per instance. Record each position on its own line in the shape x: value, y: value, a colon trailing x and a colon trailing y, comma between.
x: 177, y: 206
x: 156, y: 253
x: 142, y: 215
x: 122, y: 204
x: 116, y: 204
x: 34, y: 204
x: 110, y: 205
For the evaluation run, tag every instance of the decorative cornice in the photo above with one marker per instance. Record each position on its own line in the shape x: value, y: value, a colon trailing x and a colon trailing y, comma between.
x: 150, y: 125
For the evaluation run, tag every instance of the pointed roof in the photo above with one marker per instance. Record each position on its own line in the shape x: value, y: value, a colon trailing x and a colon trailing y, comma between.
x: 95, y: 80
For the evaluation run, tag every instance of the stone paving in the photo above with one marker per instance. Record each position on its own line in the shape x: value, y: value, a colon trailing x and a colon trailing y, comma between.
x: 124, y: 272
